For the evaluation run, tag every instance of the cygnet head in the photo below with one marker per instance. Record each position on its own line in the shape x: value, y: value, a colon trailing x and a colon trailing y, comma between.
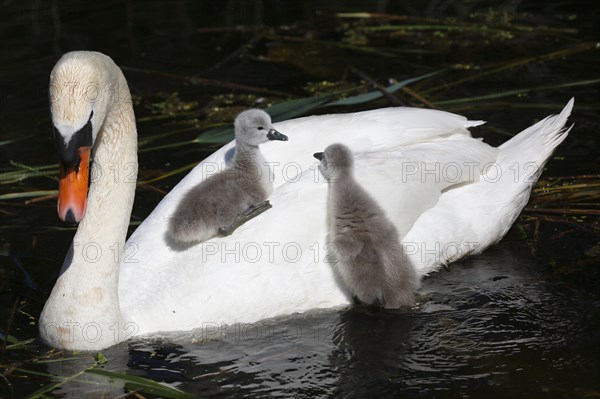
x: 254, y: 127
x: 337, y: 159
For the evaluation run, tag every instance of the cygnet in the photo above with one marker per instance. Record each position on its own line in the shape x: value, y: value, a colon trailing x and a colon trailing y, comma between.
x: 365, y: 247
x: 222, y: 202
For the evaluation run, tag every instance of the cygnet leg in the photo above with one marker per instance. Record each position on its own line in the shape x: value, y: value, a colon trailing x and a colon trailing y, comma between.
x: 251, y: 213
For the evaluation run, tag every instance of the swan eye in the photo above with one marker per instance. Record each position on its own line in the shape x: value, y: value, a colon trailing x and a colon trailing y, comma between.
x: 260, y: 128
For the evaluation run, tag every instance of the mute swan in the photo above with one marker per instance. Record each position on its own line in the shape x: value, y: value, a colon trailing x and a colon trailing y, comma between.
x: 448, y: 195
x: 365, y: 247
x: 235, y: 193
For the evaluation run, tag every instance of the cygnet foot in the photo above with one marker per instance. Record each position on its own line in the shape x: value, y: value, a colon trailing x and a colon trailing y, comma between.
x: 251, y: 213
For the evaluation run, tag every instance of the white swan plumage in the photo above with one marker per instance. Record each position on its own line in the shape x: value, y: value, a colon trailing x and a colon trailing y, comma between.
x: 448, y: 194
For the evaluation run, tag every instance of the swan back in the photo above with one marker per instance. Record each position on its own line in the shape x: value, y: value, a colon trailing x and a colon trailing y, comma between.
x: 423, y: 168
x: 277, y: 258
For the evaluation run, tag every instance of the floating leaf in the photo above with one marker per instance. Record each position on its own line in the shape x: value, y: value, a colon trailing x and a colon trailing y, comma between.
x: 25, y: 171
x: 373, y: 95
x: 294, y: 108
x: 168, y: 174
x: 558, y: 54
x: 15, y: 343
x: 217, y: 135
x: 28, y: 194
x: 20, y: 345
x: 100, y: 358
x: 147, y: 386
x: 15, y: 140
x: 164, y: 146
x: 41, y: 393
x: 517, y: 92
x: 279, y: 112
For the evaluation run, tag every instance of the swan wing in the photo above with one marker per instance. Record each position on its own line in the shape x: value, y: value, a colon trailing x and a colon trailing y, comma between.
x: 469, y: 218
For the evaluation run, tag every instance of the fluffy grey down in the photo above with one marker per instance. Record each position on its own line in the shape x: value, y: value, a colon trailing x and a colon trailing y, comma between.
x: 365, y: 247
x: 217, y: 201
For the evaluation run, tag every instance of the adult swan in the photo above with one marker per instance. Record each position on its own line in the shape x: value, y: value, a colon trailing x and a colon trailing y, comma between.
x: 449, y: 195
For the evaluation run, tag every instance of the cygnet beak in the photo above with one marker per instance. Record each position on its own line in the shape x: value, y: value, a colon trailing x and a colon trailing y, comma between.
x: 275, y: 135
x: 318, y: 155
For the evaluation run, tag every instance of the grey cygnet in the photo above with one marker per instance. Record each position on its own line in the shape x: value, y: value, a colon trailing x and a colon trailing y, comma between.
x: 234, y: 195
x: 366, y: 248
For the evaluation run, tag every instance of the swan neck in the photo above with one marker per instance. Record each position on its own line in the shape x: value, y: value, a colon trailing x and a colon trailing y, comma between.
x: 113, y: 176
x: 246, y: 153
x: 83, y: 312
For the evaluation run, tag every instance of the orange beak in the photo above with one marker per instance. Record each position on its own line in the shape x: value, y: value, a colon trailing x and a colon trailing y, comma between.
x: 73, y: 188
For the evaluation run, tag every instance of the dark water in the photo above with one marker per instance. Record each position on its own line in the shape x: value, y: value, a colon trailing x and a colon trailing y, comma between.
x: 521, y: 320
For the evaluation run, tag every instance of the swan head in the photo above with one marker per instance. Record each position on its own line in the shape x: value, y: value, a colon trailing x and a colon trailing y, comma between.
x: 337, y: 159
x: 83, y: 87
x: 254, y: 127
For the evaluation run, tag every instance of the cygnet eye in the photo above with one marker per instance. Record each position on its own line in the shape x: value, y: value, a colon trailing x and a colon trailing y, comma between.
x: 260, y: 128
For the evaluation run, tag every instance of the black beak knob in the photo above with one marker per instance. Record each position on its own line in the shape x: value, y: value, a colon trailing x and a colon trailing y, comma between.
x: 275, y: 135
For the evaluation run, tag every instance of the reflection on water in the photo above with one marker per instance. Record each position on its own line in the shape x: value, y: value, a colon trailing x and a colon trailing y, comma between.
x: 488, y: 325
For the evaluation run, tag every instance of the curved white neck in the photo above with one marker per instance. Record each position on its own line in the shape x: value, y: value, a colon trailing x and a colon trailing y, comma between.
x: 83, y: 309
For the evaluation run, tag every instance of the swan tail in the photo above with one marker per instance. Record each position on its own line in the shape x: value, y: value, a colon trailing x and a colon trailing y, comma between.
x: 518, y: 167
x: 469, y: 218
x: 531, y: 149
